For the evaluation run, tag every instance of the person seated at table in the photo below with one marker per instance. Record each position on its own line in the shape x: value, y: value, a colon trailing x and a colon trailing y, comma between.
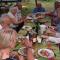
x: 38, y: 8
x: 7, y: 37
x: 19, y: 6
x: 18, y: 22
x: 8, y: 41
x: 55, y: 16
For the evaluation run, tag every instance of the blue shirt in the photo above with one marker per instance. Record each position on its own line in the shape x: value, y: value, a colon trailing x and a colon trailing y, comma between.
x: 40, y: 9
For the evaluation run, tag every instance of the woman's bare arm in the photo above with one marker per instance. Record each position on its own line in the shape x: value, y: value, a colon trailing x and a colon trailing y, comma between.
x: 28, y: 45
x: 30, y: 54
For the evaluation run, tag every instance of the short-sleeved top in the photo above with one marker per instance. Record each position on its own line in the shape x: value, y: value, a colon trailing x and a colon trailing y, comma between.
x: 17, y: 17
x: 40, y: 9
x: 56, y: 21
x: 12, y: 16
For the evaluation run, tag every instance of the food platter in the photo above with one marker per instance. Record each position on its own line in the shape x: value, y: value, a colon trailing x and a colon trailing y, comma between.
x: 27, y: 27
x: 46, y: 53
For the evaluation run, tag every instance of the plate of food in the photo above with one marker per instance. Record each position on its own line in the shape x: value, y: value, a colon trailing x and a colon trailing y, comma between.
x: 27, y: 27
x: 46, y: 53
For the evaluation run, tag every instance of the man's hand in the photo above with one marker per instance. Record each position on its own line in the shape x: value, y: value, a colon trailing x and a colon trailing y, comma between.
x: 44, y: 36
x: 52, y: 27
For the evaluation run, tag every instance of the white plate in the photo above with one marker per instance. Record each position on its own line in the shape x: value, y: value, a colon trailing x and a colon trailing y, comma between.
x: 27, y: 27
x: 50, y: 53
x: 28, y: 17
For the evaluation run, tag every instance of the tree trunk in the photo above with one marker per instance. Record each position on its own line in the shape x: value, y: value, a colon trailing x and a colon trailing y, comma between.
x: 36, y: 2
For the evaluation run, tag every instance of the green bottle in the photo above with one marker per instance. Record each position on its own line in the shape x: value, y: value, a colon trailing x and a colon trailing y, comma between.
x: 37, y: 27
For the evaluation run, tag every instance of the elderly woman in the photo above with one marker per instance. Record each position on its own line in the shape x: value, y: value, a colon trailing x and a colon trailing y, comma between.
x: 7, y: 37
x: 18, y: 22
x: 8, y: 41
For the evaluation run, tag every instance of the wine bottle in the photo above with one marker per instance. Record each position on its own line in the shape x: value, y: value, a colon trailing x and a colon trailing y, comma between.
x: 37, y: 27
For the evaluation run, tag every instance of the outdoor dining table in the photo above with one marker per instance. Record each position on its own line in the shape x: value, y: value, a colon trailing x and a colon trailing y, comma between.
x: 37, y: 45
